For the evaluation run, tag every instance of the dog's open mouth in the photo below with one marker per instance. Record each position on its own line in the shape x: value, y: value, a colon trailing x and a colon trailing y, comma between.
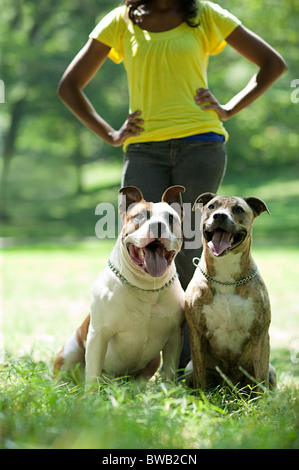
x: 153, y: 258
x: 220, y: 241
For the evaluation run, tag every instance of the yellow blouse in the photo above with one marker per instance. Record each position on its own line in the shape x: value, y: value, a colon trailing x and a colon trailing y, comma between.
x: 165, y: 69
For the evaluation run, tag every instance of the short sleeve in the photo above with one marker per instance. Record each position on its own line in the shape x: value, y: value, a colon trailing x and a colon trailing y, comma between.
x: 217, y: 23
x: 109, y: 31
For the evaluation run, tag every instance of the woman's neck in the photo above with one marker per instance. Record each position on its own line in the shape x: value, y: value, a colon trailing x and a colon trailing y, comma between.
x: 159, y: 16
x: 165, y: 5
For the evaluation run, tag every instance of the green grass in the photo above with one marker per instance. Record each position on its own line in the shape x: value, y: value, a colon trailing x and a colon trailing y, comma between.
x: 45, y: 296
x: 37, y: 414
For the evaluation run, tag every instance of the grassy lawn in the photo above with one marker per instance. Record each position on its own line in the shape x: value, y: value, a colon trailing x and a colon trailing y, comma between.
x: 45, y: 295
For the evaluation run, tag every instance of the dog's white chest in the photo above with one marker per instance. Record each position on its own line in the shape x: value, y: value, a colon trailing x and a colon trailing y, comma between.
x: 141, y: 333
x: 228, y: 320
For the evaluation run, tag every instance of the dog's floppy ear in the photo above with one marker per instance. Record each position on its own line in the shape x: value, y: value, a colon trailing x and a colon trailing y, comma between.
x: 129, y: 195
x: 257, y: 205
x: 172, y: 196
x: 202, y: 200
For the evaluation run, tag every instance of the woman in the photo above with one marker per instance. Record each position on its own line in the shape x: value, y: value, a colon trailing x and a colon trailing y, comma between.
x: 174, y: 132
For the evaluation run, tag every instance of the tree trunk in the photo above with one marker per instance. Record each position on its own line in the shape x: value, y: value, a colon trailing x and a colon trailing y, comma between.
x: 8, y: 151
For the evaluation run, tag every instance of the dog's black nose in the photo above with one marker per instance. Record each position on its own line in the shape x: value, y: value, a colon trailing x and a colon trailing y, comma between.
x: 157, y: 229
x: 220, y: 216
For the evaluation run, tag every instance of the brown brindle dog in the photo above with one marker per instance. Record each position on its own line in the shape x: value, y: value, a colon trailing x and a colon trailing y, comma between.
x: 227, y: 304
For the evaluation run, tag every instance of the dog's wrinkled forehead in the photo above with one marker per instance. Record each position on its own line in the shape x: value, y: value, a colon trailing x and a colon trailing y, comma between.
x: 147, y: 212
x: 227, y: 204
x: 136, y: 215
x: 139, y: 209
x: 252, y: 206
x: 166, y: 211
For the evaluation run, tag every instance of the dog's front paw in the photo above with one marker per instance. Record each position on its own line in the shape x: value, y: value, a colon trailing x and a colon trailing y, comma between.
x: 91, y: 387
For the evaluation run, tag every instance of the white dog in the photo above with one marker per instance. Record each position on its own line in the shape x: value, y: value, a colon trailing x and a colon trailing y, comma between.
x: 137, y: 301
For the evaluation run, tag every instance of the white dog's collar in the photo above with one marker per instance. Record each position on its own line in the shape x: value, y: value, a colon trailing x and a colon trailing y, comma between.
x: 125, y: 281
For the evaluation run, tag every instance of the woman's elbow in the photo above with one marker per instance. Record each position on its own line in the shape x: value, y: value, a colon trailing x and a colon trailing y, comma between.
x: 68, y: 90
x: 62, y: 89
x: 278, y: 65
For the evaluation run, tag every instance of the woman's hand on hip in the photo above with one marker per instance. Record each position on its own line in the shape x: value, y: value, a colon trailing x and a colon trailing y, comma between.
x: 130, y: 128
x: 207, y: 99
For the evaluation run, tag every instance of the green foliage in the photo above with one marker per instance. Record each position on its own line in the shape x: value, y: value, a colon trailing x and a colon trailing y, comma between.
x: 48, y: 208
x: 265, y: 134
x: 39, y: 39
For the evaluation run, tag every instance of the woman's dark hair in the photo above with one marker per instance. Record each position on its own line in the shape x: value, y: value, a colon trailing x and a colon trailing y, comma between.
x: 190, y: 8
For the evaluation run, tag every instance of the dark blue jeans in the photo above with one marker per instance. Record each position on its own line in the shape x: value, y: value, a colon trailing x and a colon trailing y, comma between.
x: 154, y: 166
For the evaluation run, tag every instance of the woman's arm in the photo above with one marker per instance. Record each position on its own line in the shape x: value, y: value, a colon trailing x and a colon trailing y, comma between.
x: 256, y: 50
x: 78, y: 74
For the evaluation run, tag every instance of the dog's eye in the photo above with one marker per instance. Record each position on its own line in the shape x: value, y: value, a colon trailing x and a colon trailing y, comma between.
x: 239, y: 210
x: 140, y: 216
x: 211, y: 207
x: 170, y: 218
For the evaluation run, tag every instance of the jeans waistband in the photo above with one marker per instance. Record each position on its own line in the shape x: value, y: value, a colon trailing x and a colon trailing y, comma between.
x: 205, y: 137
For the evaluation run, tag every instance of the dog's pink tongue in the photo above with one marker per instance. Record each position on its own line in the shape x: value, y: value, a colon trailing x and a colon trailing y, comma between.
x: 219, y: 242
x: 155, y: 262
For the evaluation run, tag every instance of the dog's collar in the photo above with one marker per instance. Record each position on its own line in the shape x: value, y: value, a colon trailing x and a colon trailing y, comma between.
x: 196, y: 262
x: 125, y: 281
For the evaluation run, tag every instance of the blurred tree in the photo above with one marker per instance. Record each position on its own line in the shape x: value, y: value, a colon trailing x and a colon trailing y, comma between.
x: 266, y: 133
x: 39, y: 39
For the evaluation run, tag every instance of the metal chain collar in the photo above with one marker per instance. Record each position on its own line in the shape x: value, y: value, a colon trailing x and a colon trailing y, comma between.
x: 125, y: 281
x: 196, y: 262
